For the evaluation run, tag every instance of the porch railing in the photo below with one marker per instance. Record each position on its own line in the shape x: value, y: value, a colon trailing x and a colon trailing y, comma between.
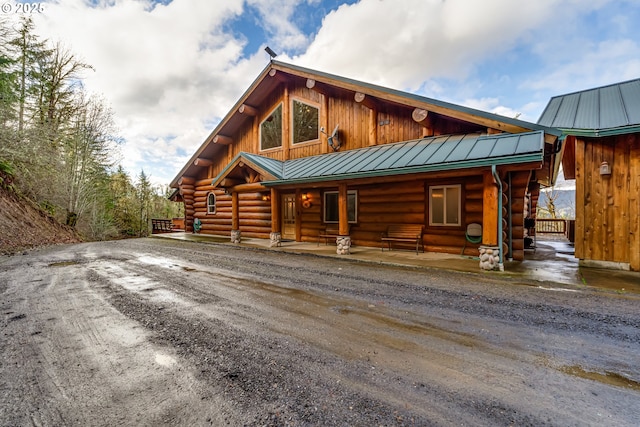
x: 551, y: 226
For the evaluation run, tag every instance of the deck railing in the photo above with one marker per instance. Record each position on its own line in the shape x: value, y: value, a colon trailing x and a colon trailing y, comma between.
x: 551, y: 226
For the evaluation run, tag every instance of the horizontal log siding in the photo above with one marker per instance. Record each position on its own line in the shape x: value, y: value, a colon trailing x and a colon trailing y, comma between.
x: 255, y: 214
x: 381, y: 205
x: 311, y: 217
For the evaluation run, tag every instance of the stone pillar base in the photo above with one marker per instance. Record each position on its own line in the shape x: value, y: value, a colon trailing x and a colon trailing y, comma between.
x: 343, y: 244
x: 275, y: 239
x: 236, y: 236
x: 490, y: 258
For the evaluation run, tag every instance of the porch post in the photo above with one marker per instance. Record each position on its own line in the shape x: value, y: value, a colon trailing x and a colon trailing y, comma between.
x: 275, y: 238
x: 343, y: 241
x: 235, y: 218
x: 489, y: 250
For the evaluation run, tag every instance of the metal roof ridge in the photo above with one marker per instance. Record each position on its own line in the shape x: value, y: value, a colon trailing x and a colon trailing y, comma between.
x: 409, y: 95
x: 596, y: 88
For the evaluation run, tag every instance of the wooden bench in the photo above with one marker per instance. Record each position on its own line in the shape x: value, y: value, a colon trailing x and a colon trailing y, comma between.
x: 161, y: 226
x: 403, y: 233
x: 331, y: 231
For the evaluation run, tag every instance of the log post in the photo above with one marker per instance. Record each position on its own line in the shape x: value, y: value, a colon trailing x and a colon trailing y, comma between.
x: 235, y: 218
x: 275, y: 237
x: 490, y: 214
x: 275, y: 211
x: 343, y: 241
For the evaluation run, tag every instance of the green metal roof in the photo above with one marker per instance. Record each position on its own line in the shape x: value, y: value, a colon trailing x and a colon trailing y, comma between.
x: 438, y: 153
x: 607, y: 110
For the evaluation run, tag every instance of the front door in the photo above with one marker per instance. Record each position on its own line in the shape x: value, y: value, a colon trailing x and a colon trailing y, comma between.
x: 289, y: 216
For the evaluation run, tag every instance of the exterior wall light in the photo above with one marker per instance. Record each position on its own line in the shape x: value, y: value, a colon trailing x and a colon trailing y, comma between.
x: 306, y: 200
x: 605, y: 169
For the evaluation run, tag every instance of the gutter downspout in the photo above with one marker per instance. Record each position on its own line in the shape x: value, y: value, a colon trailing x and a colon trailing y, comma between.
x: 510, y: 254
x: 497, y: 178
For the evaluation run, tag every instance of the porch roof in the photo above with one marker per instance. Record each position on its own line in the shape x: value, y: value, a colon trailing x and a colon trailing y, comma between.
x: 432, y: 154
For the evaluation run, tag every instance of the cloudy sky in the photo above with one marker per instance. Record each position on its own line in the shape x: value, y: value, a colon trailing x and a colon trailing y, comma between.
x: 171, y: 70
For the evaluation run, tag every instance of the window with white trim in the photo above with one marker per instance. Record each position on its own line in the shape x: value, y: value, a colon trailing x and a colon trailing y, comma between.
x: 271, y: 130
x: 211, y: 203
x: 305, y: 119
x: 330, y: 209
x: 444, y: 205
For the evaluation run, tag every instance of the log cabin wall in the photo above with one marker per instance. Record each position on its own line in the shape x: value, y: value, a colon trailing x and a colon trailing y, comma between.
x: 607, y: 206
x: 255, y: 213
x: 378, y: 207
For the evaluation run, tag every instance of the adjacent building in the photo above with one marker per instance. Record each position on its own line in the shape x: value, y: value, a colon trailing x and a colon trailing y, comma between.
x: 602, y: 154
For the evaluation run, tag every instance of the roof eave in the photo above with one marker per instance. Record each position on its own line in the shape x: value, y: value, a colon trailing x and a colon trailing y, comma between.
x: 441, y: 167
x: 242, y: 157
x: 209, y: 139
x: 595, y: 133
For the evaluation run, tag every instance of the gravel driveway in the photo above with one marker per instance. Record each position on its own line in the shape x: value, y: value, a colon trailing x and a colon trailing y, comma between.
x: 161, y: 332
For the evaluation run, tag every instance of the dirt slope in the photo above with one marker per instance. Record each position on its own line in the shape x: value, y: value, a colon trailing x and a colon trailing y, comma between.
x: 23, y: 225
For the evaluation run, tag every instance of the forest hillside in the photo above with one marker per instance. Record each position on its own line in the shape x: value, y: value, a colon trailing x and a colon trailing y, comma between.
x: 23, y: 225
x: 59, y: 152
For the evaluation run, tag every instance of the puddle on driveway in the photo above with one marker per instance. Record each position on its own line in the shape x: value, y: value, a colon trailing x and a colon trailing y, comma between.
x: 63, y: 263
x: 165, y: 360
x: 158, y: 261
x: 610, y: 378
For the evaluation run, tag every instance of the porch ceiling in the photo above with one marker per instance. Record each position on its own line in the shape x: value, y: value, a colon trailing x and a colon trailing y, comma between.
x: 433, y: 154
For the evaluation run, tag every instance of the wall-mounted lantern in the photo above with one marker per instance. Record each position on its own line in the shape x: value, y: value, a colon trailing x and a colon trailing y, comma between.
x: 306, y: 200
x: 605, y: 169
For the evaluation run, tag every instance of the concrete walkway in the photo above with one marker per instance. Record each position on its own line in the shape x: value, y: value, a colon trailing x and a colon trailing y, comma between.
x: 551, y: 265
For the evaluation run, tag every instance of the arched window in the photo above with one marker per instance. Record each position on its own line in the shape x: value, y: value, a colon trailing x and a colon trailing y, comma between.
x: 211, y: 203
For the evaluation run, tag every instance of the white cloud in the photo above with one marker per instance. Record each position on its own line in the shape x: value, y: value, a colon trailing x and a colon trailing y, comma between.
x: 402, y: 46
x: 165, y: 69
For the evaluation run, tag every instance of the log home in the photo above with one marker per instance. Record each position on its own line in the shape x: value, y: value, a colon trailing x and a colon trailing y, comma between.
x: 603, y: 155
x: 303, y: 151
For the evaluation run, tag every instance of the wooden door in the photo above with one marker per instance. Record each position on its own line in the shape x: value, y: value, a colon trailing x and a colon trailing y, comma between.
x: 289, y: 216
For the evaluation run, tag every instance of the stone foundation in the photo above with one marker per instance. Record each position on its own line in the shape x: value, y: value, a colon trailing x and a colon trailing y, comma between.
x: 236, y: 236
x: 275, y: 239
x: 490, y: 258
x: 343, y: 244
